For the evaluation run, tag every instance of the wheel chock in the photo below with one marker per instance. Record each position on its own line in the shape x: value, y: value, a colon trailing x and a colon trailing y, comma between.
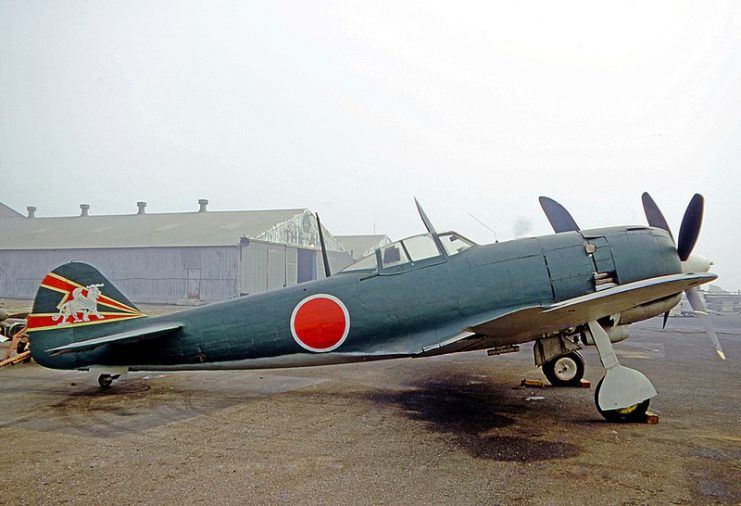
x: 534, y: 383
x: 651, y: 418
x: 539, y: 383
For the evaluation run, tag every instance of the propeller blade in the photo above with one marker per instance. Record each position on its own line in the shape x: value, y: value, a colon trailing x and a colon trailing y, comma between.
x: 698, y: 306
x: 558, y: 216
x: 690, y: 229
x: 666, y: 317
x: 653, y: 214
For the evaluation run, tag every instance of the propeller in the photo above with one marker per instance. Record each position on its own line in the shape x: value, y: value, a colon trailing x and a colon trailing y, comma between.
x: 689, y: 231
x: 653, y: 214
x: 698, y: 306
x: 560, y: 219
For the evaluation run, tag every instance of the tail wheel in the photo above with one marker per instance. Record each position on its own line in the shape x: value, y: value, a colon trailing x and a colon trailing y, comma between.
x: 565, y: 370
x: 105, y: 380
x: 633, y: 413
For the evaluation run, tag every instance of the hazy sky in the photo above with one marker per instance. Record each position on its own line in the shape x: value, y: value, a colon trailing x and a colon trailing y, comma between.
x: 351, y: 109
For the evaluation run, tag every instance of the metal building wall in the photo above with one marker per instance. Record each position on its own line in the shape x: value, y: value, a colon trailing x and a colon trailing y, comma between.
x: 150, y: 275
x: 173, y: 275
x: 337, y: 260
x: 267, y: 266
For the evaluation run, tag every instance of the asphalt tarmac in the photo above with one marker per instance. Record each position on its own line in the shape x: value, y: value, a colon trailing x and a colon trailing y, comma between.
x: 456, y: 429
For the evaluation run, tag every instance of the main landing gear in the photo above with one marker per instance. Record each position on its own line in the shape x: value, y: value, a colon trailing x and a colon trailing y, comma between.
x: 565, y: 370
x: 623, y: 394
x: 633, y: 413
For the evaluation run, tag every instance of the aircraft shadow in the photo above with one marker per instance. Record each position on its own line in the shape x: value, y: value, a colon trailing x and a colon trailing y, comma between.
x: 479, y: 418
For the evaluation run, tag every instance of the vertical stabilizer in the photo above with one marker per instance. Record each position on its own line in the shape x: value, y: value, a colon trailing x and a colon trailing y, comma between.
x: 75, y: 302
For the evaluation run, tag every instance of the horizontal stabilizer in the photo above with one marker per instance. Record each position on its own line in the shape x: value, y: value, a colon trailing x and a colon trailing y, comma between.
x: 143, y: 333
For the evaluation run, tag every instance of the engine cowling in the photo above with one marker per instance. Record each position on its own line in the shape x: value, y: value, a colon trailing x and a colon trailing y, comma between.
x: 646, y: 311
x: 616, y: 334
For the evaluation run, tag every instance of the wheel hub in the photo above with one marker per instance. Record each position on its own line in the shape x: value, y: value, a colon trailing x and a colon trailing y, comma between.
x: 565, y: 368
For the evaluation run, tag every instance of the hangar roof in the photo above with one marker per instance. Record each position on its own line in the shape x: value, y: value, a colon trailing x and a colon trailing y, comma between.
x: 361, y: 245
x: 9, y: 212
x: 211, y: 228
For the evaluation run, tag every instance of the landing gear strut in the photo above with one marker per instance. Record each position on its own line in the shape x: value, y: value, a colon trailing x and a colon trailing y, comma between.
x: 624, y: 393
x: 565, y: 370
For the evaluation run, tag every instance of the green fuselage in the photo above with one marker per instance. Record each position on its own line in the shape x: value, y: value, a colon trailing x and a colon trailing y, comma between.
x: 396, y: 312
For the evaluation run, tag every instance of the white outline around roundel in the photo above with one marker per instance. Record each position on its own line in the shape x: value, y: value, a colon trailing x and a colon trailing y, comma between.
x: 320, y: 296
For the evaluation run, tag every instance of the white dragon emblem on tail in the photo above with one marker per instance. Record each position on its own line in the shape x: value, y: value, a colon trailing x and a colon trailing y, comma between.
x: 85, y: 304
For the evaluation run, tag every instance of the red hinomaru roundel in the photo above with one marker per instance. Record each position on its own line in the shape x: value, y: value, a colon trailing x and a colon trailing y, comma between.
x: 320, y: 323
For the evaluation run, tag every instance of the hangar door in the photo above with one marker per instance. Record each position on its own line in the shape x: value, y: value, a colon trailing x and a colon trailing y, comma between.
x: 306, y: 265
x: 266, y: 267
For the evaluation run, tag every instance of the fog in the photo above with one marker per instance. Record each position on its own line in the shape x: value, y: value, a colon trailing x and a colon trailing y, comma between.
x: 352, y: 109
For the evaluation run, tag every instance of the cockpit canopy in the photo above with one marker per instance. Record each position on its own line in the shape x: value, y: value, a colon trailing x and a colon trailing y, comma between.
x: 412, y: 250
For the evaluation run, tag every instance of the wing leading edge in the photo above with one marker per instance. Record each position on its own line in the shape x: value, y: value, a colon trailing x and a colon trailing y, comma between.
x: 526, y: 323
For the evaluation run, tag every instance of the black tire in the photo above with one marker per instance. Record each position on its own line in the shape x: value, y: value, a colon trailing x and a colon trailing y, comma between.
x: 634, y: 413
x: 105, y: 380
x: 21, y: 347
x: 565, y: 370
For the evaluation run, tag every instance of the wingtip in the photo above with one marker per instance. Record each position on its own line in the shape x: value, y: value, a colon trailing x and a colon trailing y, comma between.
x: 721, y: 354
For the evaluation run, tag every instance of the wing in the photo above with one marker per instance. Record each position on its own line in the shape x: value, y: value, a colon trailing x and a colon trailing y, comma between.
x: 150, y: 331
x: 527, y: 323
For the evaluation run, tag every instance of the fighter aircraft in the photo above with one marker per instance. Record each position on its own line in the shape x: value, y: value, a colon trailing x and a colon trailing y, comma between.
x: 426, y: 295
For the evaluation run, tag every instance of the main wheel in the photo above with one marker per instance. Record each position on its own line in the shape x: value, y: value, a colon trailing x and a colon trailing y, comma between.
x: 565, y: 370
x: 633, y: 413
x: 105, y: 380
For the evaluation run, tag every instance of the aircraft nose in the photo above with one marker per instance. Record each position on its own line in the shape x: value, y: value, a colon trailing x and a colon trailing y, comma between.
x: 696, y: 263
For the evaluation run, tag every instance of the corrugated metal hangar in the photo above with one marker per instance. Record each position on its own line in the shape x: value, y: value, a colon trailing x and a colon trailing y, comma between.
x: 169, y: 258
x: 359, y: 246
